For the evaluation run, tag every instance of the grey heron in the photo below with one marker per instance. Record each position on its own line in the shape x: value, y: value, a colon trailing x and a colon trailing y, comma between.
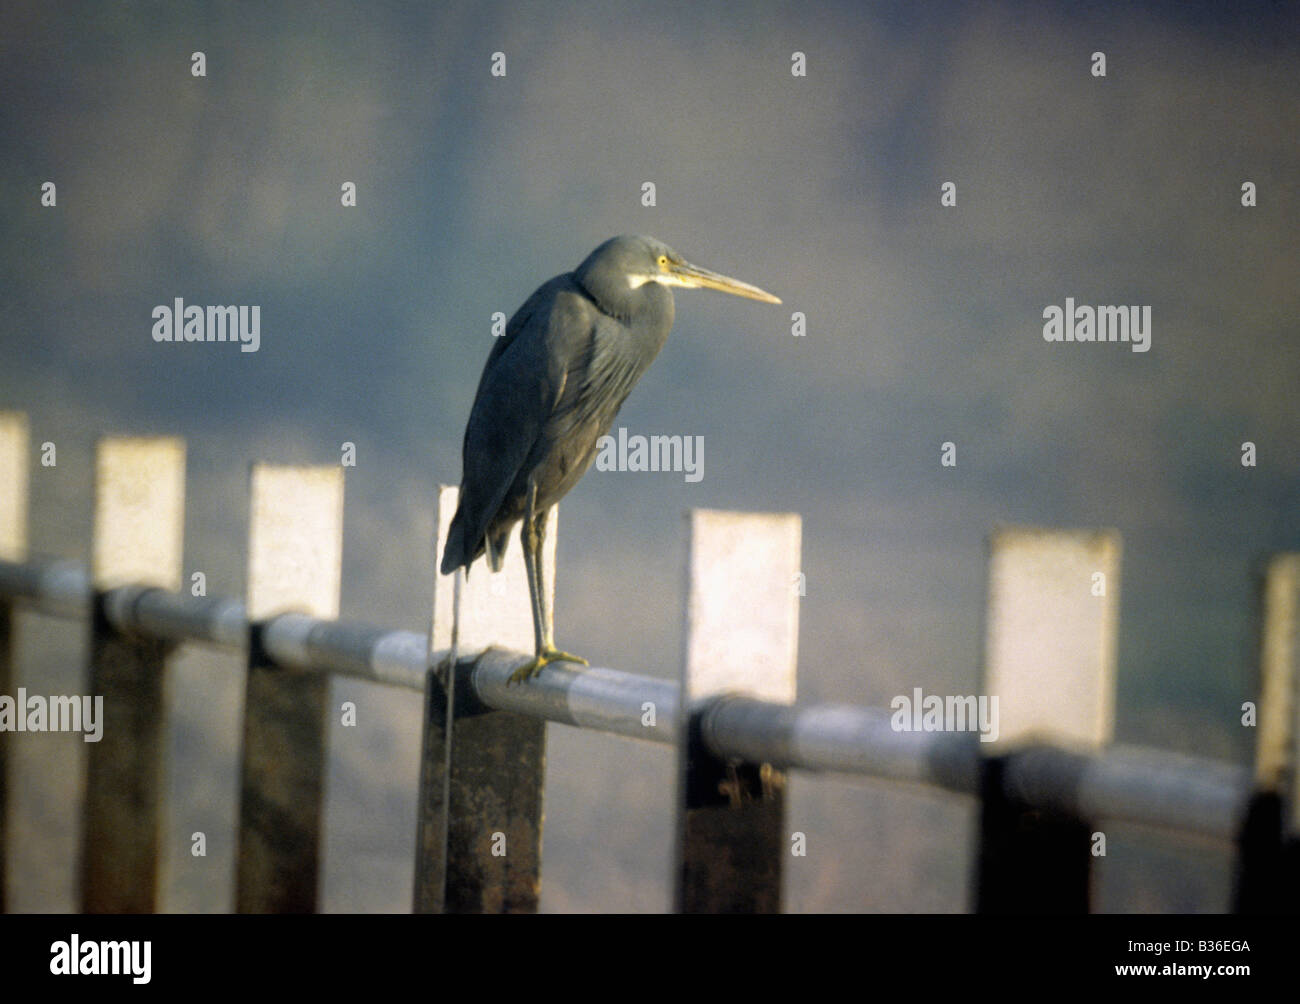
x: 550, y: 389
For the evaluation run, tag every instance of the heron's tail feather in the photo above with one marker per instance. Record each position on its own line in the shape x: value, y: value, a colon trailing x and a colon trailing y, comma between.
x: 453, y: 552
x: 496, y: 548
x: 459, y: 552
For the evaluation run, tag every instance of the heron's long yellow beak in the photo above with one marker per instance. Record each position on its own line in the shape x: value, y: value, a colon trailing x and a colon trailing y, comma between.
x: 693, y: 276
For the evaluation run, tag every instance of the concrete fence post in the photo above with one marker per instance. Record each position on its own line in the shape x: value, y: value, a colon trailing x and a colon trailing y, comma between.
x: 1268, y: 866
x: 295, y: 553
x: 1052, y: 626
x: 742, y: 636
x: 13, y: 547
x: 482, y: 772
x: 138, y: 538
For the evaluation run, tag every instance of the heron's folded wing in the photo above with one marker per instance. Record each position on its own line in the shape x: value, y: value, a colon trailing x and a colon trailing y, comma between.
x: 522, y: 381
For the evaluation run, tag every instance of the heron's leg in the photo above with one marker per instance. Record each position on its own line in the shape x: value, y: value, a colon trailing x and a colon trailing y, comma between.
x: 531, y: 540
x: 533, y: 537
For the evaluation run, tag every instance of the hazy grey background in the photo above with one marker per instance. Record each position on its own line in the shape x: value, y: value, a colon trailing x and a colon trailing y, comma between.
x: 924, y: 325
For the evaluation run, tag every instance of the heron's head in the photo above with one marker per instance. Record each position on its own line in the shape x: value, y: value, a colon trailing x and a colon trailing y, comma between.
x: 629, y: 262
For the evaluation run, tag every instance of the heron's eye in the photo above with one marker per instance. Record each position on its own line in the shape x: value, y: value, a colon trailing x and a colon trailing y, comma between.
x: 663, y: 261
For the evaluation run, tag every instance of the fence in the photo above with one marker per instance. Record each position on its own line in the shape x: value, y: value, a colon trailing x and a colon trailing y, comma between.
x: 1051, y: 778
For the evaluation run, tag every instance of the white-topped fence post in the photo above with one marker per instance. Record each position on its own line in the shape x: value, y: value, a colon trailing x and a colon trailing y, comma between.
x: 742, y: 636
x: 482, y: 771
x: 1052, y: 625
x: 13, y: 547
x: 138, y: 539
x: 1268, y: 866
x: 295, y: 554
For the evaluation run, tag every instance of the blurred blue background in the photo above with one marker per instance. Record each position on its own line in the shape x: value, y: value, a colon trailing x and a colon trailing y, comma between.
x: 924, y: 324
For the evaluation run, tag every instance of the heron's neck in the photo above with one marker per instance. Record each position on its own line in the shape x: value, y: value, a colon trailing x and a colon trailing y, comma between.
x: 651, y: 301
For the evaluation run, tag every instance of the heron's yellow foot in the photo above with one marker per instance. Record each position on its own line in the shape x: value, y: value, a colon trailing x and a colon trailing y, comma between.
x: 530, y: 669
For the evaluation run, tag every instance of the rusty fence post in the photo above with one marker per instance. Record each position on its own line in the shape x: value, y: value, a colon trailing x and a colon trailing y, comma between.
x: 1052, y: 624
x: 138, y: 539
x: 1268, y: 848
x: 14, y: 439
x: 742, y: 624
x: 482, y: 771
x: 295, y: 554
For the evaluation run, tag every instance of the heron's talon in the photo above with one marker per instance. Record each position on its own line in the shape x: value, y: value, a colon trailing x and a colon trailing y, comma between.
x: 530, y: 669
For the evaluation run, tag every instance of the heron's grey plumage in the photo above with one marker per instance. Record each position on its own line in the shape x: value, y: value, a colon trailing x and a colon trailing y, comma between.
x: 553, y: 384
x: 551, y: 387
